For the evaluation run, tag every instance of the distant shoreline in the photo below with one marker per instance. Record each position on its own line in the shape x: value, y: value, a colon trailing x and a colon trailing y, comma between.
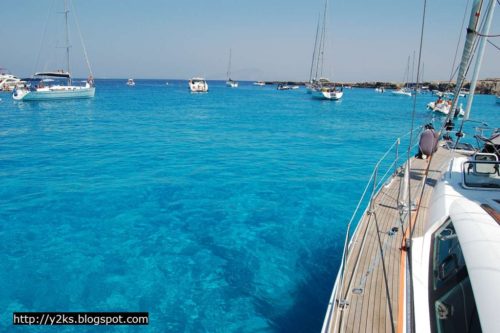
x: 488, y: 86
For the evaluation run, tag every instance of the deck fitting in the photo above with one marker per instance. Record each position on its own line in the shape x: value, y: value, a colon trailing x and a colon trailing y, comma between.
x: 343, y: 304
x: 358, y: 291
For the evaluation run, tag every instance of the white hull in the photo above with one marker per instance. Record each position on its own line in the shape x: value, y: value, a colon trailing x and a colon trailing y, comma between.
x: 232, y: 84
x: 333, y: 95
x: 401, y: 93
x: 59, y: 92
x: 260, y: 84
x: 8, y: 83
x: 198, y: 85
x: 443, y: 108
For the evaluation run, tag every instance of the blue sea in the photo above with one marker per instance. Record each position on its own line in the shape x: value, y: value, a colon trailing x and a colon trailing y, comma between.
x: 217, y: 212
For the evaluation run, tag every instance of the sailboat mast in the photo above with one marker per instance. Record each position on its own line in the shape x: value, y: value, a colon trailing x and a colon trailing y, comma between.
x: 66, y: 11
x: 479, y: 57
x: 407, y: 73
x: 323, y: 40
x: 413, y: 67
x: 229, y: 66
x: 314, y: 52
x: 467, y: 53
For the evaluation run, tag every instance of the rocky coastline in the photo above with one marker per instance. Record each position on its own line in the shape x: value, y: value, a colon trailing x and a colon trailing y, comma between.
x: 489, y: 86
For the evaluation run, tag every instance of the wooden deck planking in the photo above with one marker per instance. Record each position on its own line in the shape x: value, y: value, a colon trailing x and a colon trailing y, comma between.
x: 369, y: 311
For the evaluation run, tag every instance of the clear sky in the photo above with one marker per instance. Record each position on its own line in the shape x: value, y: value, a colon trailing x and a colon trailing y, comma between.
x: 270, y: 39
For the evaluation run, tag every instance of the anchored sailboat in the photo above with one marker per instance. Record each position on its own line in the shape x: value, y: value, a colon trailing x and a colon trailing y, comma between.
x: 318, y: 86
x: 50, y: 85
x: 404, y: 91
x: 230, y: 82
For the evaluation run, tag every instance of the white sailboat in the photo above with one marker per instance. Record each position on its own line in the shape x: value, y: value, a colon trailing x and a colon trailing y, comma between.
x: 332, y: 92
x: 319, y: 86
x: 51, y: 85
x: 441, y: 272
x: 230, y: 82
x: 130, y: 82
x: 404, y: 91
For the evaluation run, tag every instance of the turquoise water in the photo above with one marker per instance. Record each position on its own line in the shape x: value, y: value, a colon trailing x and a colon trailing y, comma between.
x: 218, y: 212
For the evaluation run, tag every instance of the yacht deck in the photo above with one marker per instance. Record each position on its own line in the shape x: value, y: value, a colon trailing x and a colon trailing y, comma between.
x: 370, y: 292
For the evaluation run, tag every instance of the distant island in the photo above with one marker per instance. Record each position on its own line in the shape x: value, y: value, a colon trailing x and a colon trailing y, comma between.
x: 490, y: 86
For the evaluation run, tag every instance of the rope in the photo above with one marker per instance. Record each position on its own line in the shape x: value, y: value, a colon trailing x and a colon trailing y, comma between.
x: 495, y: 46
x: 411, y: 297
x: 489, y: 36
x: 81, y: 40
x: 388, y: 295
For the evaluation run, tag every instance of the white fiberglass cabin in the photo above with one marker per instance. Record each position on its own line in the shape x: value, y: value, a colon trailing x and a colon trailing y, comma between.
x: 48, y: 86
x: 456, y: 263
x: 198, y: 84
x: 8, y: 81
x: 443, y: 107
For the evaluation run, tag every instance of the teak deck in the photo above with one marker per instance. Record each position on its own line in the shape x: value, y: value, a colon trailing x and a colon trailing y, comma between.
x: 371, y: 280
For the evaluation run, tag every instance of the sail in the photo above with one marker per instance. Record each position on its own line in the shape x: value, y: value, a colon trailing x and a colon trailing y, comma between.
x: 480, y: 54
x: 467, y: 53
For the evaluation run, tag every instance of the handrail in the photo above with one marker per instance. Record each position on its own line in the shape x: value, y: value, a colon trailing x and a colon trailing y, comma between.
x: 337, y: 296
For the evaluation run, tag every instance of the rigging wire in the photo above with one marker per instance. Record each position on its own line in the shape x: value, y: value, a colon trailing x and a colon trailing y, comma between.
x: 495, y: 46
x: 454, y: 71
x: 314, y: 51
x: 408, y: 246
x: 448, y: 118
x: 43, y: 37
x: 488, y: 36
x: 483, y: 23
x: 81, y: 39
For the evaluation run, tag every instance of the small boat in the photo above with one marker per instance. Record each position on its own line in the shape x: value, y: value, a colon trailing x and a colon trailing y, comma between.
x: 130, y: 82
x: 259, y: 83
x: 437, y: 93
x: 283, y: 86
x: 443, y: 107
x: 198, y: 84
x: 380, y: 90
x: 230, y: 82
x: 401, y: 92
x: 7, y: 81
